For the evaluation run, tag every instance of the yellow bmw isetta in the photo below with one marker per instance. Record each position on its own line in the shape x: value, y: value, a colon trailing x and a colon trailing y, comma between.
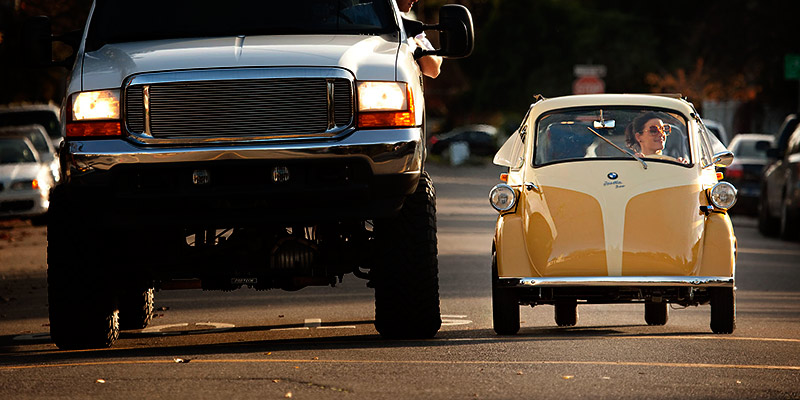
x: 613, y: 199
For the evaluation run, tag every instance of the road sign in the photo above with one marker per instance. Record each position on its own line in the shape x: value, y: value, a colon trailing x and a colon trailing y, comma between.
x: 791, y: 68
x: 588, y: 85
x: 589, y: 70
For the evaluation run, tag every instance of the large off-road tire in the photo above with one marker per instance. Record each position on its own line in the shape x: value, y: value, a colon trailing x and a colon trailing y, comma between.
x: 767, y: 225
x: 81, y: 300
x: 136, y: 307
x: 566, y: 312
x: 505, y: 306
x: 406, y: 274
x: 656, y: 313
x: 723, y: 310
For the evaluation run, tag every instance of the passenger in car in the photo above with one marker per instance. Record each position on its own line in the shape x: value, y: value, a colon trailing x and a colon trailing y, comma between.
x: 647, y: 136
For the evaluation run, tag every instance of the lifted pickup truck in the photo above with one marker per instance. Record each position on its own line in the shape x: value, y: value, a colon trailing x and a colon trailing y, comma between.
x: 260, y: 144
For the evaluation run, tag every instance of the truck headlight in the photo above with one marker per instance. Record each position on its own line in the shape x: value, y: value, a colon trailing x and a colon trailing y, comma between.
x: 95, y: 113
x: 100, y: 104
x: 502, y: 197
x: 722, y: 195
x: 385, y: 104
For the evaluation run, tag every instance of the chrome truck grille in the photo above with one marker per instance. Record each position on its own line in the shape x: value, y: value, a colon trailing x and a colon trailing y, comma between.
x: 260, y: 108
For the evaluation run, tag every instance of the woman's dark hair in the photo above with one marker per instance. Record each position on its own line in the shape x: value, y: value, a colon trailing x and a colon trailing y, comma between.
x: 637, y: 126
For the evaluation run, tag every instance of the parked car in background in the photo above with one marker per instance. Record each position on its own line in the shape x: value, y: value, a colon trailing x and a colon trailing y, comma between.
x: 481, y: 139
x: 592, y: 213
x: 750, y: 151
x: 41, y: 142
x: 779, y: 201
x: 24, y: 181
x: 46, y: 115
x: 718, y: 130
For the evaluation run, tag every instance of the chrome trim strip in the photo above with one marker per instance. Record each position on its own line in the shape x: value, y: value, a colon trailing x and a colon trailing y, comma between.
x: 146, y: 101
x: 585, y: 281
x: 238, y: 73
x: 388, y: 151
x: 331, y: 111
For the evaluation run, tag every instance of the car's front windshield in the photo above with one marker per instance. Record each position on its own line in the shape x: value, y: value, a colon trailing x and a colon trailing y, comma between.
x: 116, y: 21
x: 611, y: 133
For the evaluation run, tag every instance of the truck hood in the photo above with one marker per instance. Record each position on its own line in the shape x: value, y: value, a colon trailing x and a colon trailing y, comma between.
x: 366, y: 57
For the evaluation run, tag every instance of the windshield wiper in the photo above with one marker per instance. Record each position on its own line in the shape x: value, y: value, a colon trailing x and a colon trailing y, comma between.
x: 618, y: 148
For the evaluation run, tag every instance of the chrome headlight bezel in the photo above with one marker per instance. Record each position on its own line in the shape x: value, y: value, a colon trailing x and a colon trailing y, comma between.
x: 722, y: 195
x: 503, y: 197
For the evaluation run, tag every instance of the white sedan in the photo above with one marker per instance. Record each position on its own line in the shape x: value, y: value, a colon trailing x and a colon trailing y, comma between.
x: 25, y: 181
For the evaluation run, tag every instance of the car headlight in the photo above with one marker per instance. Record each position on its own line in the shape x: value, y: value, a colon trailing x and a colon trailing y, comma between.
x: 95, y: 113
x: 385, y: 104
x: 502, y: 197
x: 24, y: 185
x: 722, y: 195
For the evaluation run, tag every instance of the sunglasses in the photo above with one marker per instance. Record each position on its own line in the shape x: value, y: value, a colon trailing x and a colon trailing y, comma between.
x: 656, y: 130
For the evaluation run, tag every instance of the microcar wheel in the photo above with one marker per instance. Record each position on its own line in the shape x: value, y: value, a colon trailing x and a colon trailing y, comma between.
x: 505, y: 307
x: 82, y: 305
x: 406, y: 278
x: 723, y: 310
x: 566, y: 312
x: 656, y: 313
x: 135, y: 308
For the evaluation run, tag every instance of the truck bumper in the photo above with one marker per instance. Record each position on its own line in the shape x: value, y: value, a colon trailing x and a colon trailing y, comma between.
x: 364, y: 175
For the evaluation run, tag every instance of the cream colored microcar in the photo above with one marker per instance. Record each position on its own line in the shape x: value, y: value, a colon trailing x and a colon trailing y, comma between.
x: 613, y: 199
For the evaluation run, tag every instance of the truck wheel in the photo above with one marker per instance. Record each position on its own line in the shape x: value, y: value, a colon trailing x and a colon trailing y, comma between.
x: 656, y: 313
x: 723, y: 310
x: 406, y: 277
x: 135, y: 308
x: 82, y: 306
x: 505, y: 307
x: 767, y: 225
x: 566, y: 312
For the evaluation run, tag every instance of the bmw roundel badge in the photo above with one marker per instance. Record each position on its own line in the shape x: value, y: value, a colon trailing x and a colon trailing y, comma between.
x: 612, y: 175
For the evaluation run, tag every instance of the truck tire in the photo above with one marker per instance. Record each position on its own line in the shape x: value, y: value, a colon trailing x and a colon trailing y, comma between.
x: 406, y: 276
x: 566, y: 312
x: 505, y: 307
x: 723, y: 310
x: 81, y: 302
x: 656, y: 313
x: 136, y: 307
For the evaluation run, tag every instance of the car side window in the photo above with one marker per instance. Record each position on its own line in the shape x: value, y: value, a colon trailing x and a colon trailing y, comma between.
x: 705, y: 146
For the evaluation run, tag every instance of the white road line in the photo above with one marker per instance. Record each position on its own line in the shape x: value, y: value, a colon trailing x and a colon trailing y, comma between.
x: 312, y: 322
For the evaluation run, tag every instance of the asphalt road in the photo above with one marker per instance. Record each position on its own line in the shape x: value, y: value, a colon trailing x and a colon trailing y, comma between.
x: 320, y: 342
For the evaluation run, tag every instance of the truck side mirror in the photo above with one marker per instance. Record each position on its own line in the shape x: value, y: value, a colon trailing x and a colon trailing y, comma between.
x: 37, y: 42
x: 456, y: 33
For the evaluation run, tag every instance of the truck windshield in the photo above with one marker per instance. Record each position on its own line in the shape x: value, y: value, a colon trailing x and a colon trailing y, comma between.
x: 117, y: 21
x: 612, y: 133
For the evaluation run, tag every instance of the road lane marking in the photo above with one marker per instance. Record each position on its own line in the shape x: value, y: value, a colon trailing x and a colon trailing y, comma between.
x: 782, y: 252
x: 312, y: 322
x: 452, y: 320
x: 175, y: 329
x: 417, y: 362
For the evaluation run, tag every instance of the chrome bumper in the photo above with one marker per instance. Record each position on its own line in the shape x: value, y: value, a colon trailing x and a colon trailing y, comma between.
x: 621, y: 281
x: 388, y: 151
